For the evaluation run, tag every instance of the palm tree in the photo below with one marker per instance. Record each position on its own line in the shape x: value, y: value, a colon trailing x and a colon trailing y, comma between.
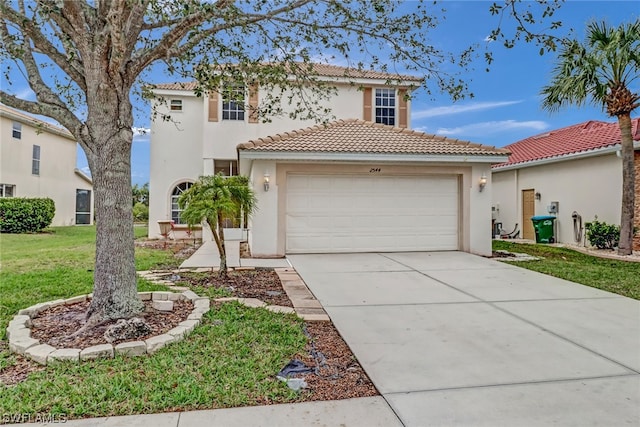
x: 213, y: 199
x: 601, y: 72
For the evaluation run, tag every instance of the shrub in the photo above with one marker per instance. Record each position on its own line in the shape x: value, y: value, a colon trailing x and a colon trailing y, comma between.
x: 602, y: 235
x: 140, y: 212
x: 21, y: 215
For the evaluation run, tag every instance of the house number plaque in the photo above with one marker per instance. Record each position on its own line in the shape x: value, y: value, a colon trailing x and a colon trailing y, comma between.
x: 375, y: 170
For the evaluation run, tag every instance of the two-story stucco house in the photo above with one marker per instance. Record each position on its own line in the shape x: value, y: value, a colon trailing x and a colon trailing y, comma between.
x: 38, y: 159
x: 364, y: 182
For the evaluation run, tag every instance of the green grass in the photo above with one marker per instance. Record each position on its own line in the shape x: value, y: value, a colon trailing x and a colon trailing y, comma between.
x: 620, y: 277
x: 229, y: 360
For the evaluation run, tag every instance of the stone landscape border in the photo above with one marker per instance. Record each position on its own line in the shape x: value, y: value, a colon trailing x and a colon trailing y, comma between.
x: 305, y: 306
x: 21, y: 342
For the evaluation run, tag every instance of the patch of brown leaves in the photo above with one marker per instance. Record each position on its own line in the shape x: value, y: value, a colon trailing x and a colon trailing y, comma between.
x: 57, y: 325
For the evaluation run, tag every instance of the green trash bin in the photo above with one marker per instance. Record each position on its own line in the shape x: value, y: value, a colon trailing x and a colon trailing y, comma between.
x: 543, y: 226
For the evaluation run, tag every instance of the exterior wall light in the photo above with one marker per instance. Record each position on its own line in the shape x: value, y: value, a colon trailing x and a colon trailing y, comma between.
x: 482, y: 183
x: 538, y: 196
x: 266, y: 182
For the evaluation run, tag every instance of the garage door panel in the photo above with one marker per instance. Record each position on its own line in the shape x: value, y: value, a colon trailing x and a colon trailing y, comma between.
x: 333, y: 213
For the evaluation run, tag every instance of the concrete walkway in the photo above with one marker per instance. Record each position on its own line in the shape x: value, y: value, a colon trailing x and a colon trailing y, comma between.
x: 455, y: 339
x: 207, y: 256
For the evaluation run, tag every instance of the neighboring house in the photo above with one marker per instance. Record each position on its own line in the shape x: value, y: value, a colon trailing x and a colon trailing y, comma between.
x: 579, y: 167
x: 39, y: 160
x: 383, y: 186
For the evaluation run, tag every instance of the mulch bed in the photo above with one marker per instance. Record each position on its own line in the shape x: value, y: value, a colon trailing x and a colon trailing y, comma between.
x: 56, y: 326
x: 263, y: 284
x: 337, y: 374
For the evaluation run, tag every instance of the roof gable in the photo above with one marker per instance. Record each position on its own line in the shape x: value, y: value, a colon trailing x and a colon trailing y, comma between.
x: 362, y: 137
x: 579, y: 138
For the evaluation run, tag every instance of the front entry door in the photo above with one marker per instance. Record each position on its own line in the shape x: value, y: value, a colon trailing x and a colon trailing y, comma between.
x: 528, y: 210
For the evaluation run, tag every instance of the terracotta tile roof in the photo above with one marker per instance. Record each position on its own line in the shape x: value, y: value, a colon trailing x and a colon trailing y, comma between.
x: 176, y: 86
x: 359, y: 136
x: 574, y: 139
x: 323, y: 70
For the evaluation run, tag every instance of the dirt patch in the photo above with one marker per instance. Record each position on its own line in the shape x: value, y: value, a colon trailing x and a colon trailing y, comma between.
x: 181, y: 249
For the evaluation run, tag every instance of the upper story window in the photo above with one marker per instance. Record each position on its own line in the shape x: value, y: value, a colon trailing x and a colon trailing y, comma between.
x: 7, y: 190
x: 175, y: 195
x: 35, y: 162
x: 233, y: 103
x: 175, y: 105
x: 17, y: 130
x: 226, y: 167
x: 385, y: 102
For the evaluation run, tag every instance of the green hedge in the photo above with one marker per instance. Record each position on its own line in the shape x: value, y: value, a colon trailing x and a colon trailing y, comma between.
x: 21, y: 215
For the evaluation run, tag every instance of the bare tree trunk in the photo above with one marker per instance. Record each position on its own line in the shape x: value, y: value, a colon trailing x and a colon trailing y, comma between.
x: 625, y: 246
x: 115, y: 285
x: 221, y: 247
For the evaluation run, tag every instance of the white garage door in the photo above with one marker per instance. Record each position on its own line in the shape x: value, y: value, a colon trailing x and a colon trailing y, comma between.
x: 329, y: 213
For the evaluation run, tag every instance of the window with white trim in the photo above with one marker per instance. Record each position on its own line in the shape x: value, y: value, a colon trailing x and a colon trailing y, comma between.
x: 226, y: 167
x: 83, y: 206
x: 175, y: 105
x: 175, y: 195
x: 385, y: 104
x: 35, y: 160
x: 233, y: 103
x: 16, y: 130
x: 7, y: 190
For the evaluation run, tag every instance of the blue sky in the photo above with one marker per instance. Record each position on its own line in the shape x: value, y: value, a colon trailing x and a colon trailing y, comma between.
x: 506, y: 106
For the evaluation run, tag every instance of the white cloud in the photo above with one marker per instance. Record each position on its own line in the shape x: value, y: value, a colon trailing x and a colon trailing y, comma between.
x: 140, y: 131
x: 493, y: 127
x: 457, y: 109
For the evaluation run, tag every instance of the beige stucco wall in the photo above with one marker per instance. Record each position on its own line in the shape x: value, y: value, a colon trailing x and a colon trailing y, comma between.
x: 267, y: 226
x: 57, y: 179
x: 175, y: 156
x: 589, y: 186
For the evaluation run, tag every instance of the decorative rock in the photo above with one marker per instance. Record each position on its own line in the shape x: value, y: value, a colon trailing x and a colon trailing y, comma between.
x: 252, y: 302
x: 160, y: 296
x: 18, y: 333
x: 227, y: 299
x: 75, y: 300
x: 179, y: 289
x: 64, y: 354
x: 54, y: 303
x: 280, y: 309
x: 23, y: 320
x: 175, y: 297
x: 34, y: 309
x: 178, y: 332
x: 189, y: 325
x: 202, y: 303
x: 132, y: 348
x: 127, y: 329
x: 20, y: 346
x: 190, y: 295
x: 145, y: 296
x: 39, y: 353
x: 156, y: 343
x: 162, y: 305
x: 101, y: 351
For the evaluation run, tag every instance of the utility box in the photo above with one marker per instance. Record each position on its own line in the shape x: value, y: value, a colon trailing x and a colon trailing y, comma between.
x: 543, y: 225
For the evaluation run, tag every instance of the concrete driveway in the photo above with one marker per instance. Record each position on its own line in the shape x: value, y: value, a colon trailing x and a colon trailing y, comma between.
x: 451, y: 338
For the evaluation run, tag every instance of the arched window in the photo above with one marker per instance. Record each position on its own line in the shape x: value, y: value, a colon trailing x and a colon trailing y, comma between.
x: 175, y: 195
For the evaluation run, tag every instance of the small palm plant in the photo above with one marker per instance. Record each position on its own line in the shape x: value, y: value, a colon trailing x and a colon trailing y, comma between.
x: 213, y: 199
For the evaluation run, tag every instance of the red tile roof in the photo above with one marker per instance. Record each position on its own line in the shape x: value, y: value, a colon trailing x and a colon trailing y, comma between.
x: 322, y: 70
x: 574, y: 139
x: 359, y: 136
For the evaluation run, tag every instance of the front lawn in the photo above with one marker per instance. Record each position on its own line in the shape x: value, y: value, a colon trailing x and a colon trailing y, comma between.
x: 229, y: 360
x: 620, y: 277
